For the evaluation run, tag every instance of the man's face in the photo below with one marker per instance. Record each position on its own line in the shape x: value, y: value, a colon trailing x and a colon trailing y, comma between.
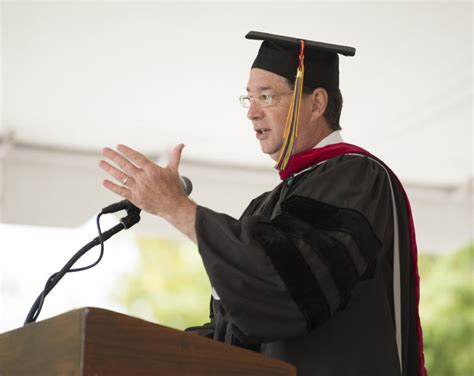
x: 269, y: 122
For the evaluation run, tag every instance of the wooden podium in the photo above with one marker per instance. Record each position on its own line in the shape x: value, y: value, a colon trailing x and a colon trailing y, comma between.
x: 98, y: 342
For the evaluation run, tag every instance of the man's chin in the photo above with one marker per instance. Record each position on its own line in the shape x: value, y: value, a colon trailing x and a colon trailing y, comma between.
x: 275, y: 156
x: 272, y: 153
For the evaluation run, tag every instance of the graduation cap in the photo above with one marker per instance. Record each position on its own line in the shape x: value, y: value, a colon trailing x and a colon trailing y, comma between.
x: 303, y: 63
x: 280, y: 54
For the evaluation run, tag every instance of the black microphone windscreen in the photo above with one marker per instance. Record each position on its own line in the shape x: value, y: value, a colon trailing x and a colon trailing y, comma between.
x: 186, y: 185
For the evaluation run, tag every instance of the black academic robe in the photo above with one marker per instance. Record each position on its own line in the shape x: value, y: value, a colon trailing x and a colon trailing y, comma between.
x: 305, y: 275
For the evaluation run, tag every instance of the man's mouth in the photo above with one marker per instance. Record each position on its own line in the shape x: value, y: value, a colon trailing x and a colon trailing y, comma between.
x: 261, y: 133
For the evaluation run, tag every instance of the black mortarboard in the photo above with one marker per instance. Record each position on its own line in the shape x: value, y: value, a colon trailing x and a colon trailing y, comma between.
x: 280, y: 55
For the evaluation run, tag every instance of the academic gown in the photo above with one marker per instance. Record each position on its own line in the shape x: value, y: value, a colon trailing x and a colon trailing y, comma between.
x: 306, y: 274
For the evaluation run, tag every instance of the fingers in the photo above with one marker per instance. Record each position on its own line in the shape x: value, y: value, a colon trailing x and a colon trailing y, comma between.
x: 139, y: 159
x: 175, y: 158
x: 141, y: 181
x: 121, y: 191
x: 116, y: 173
x: 120, y: 161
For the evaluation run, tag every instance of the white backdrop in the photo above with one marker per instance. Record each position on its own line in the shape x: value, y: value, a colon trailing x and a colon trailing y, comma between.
x: 77, y: 76
x: 153, y: 74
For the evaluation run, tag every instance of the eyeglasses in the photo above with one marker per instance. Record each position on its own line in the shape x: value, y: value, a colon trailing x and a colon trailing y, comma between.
x: 263, y: 100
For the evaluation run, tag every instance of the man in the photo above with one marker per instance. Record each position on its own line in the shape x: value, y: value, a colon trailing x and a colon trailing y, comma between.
x: 320, y: 272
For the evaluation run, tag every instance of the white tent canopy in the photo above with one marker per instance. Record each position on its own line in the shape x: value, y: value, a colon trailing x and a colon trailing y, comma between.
x: 77, y: 76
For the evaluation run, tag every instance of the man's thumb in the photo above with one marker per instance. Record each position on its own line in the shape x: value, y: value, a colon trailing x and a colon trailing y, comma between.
x: 175, y: 157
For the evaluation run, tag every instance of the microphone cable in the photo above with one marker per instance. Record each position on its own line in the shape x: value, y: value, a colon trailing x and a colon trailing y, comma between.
x: 133, y: 217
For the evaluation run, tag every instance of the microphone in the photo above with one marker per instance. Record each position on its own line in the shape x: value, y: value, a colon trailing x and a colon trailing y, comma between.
x: 186, y: 185
x: 184, y: 182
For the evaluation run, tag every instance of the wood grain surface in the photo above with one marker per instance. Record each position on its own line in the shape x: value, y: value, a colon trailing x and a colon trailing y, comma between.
x: 98, y: 342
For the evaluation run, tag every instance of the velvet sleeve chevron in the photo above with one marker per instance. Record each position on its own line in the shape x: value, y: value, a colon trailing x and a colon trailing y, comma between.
x: 320, y: 251
x: 301, y: 253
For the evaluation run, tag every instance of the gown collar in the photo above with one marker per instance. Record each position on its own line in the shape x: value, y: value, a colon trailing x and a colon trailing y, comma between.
x: 307, y: 158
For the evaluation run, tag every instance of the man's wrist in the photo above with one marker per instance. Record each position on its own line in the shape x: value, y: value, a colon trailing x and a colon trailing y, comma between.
x: 183, y: 216
x: 179, y: 207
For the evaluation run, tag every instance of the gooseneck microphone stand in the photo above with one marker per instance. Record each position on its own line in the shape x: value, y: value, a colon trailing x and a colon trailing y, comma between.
x: 132, y: 218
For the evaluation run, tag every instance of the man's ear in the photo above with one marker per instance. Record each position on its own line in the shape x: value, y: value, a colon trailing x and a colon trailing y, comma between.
x: 320, y: 101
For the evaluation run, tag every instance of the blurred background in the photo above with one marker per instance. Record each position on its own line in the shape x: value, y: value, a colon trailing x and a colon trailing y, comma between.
x: 78, y: 76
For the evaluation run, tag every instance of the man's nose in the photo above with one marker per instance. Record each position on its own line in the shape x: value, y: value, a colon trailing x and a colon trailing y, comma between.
x: 255, y: 111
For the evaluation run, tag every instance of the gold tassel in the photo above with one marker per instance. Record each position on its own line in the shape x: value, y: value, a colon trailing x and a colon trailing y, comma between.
x: 292, y: 120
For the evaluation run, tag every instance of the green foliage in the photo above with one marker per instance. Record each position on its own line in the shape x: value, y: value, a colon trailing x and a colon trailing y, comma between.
x: 447, y: 312
x: 169, y: 286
